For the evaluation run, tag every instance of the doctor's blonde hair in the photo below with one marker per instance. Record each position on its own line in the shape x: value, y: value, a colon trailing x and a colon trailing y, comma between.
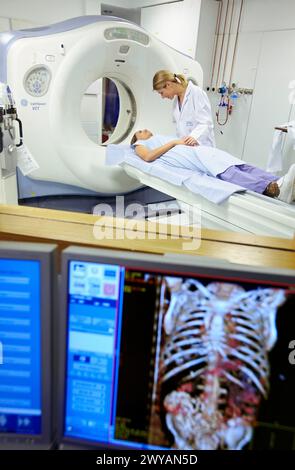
x: 163, y: 76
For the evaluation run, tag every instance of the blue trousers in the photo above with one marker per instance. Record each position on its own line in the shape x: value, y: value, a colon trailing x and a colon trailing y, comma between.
x: 248, y: 176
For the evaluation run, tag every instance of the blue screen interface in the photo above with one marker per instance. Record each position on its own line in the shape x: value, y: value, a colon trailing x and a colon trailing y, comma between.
x: 94, y: 309
x: 138, y: 343
x: 20, y: 347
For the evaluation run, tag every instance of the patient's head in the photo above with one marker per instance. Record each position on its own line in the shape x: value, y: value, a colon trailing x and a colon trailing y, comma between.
x: 141, y: 135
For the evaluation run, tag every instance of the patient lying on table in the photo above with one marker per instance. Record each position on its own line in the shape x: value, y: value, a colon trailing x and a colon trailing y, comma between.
x: 213, y: 162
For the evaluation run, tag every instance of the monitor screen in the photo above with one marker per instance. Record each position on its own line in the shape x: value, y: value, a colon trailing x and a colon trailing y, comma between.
x: 26, y: 312
x: 169, y: 354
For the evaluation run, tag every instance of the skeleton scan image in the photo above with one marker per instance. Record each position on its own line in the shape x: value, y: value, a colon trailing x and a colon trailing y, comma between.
x: 214, y: 356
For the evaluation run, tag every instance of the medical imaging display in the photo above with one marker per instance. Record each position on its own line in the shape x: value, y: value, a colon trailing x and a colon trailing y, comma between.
x: 158, y: 361
x: 20, y: 347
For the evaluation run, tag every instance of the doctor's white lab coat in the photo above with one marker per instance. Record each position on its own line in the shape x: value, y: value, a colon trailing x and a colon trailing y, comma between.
x: 195, y: 116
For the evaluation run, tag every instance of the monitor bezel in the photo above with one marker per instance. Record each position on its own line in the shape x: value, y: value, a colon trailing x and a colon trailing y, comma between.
x: 46, y: 255
x: 180, y: 265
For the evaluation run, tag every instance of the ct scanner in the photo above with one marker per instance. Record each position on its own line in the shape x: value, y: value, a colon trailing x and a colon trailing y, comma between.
x: 48, y: 70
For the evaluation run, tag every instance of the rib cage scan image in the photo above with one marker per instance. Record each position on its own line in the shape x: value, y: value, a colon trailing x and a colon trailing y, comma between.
x: 201, y: 368
x: 214, y: 367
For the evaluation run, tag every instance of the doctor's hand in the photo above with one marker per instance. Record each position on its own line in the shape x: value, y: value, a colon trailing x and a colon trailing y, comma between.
x: 180, y: 141
x: 189, y: 140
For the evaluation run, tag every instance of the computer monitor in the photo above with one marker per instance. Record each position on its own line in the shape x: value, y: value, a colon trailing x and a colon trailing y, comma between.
x: 164, y: 352
x: 27, y: 300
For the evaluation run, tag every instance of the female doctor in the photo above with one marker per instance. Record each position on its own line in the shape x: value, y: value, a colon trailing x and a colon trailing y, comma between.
x: 191, y: 108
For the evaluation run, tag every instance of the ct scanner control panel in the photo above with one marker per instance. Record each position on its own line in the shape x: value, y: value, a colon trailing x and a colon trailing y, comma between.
x: 36, y: 80
x: 127, y: 33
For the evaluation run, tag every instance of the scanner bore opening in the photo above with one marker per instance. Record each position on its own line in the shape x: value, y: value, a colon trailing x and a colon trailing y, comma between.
x: 108, y: 111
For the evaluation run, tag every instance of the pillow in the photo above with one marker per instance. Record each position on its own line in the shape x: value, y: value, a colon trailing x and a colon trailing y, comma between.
x: 116, y: 153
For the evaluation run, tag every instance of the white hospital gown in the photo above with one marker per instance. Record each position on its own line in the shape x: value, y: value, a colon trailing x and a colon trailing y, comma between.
x: 200, y: 158
x: 182, y: 166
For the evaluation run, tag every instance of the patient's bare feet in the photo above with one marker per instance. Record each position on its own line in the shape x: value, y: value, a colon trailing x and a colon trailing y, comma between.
x: 272, y: 189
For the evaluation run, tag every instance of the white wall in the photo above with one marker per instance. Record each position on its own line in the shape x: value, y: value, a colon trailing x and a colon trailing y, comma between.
x: 175, y: 24
x: 42, y: 12
x: 140, y: 3
x: 206, y: 32
x: 275, y: 22
x: 130, y: 14
x: 4, y: 24
x: 268, y: 15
